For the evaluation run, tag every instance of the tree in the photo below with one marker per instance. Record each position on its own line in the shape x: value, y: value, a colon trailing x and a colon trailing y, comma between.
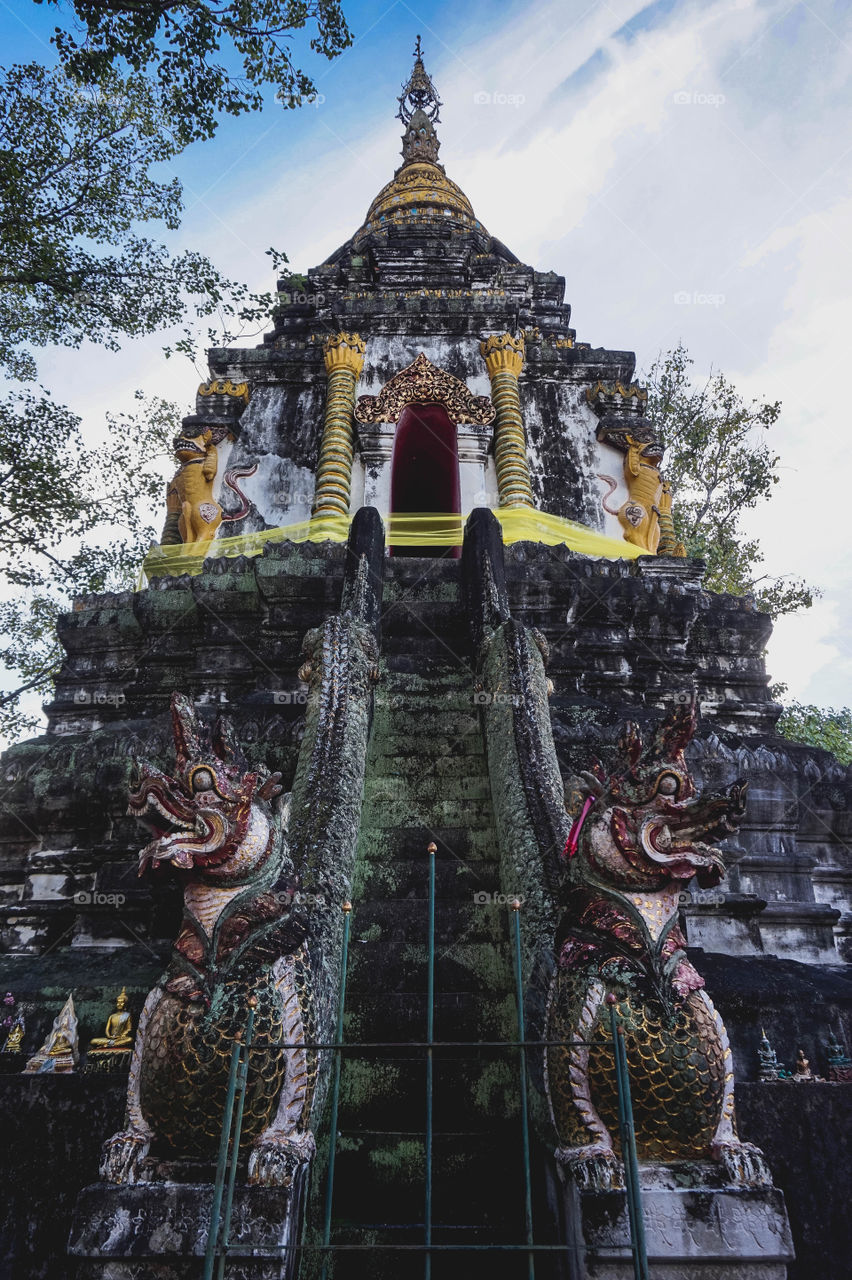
x: 824, y: 727
x: 75, y: 188
x: 719, y: 465
x: 181, y: 43
x: 73, y: 520
x: 82, y: 148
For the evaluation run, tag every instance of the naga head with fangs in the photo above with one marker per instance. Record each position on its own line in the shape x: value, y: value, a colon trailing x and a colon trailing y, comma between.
x: 648, y: 828
x: 213, y: 817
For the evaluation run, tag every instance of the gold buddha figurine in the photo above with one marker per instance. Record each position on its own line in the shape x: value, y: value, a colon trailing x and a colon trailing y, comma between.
x: 111, y: 1051
x: 15, y: 1038
x: 118, y: 1033
x: 59, y: 1052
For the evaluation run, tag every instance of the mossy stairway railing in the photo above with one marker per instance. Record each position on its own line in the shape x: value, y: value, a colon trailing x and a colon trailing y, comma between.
x: 427, y: 1157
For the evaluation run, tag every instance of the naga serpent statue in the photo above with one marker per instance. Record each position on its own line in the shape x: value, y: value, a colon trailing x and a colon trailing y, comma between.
x: 192, y: 513
x: 646, y: 516
x: 221, y: 827
x: 639, y: 837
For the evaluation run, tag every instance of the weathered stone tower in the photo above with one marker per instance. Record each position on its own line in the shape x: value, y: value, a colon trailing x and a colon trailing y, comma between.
x: 446, y: 709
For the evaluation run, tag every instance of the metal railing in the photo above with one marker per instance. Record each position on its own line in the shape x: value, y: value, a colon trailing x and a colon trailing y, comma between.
x: 219, y: 1247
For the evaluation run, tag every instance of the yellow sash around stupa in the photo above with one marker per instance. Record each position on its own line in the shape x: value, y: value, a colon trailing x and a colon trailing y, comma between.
x: 519, y: 524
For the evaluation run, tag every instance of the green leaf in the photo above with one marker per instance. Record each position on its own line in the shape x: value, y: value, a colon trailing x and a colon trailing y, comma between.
x: 719, y: 465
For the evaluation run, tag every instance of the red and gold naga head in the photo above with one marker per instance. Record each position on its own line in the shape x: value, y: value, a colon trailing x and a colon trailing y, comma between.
x: 649, y: 826
x: 211, y: 815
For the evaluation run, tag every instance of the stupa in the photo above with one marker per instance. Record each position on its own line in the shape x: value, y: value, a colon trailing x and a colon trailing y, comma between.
x: 432, y: 725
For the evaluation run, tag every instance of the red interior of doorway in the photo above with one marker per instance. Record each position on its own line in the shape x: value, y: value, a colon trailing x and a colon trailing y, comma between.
x: 425, y: 469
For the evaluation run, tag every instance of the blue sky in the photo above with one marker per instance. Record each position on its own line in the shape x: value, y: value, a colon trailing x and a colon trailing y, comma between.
x: 686, y: 166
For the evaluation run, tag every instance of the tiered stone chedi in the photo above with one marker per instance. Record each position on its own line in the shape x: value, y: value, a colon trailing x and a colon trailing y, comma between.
x: 530, y: 678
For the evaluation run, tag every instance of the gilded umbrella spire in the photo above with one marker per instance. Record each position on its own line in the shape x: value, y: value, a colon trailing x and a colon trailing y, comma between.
x: 419, y: 108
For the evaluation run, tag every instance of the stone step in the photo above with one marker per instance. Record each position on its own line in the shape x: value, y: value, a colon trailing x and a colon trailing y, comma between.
x: 387, y: 1172
x: 397, y: 922
x: 425, y: 582
x: 381, y: 1089
x: 462, y: 966
x: 408, y: 878
x: 458, y: 759
x: 413, y: 840
x: 431, y: 642
x: 424, y: 671
x: 397, y: 725
x: 426, y: 578
x: 437, y: 782
x: 389, y: 1263
x: 400, y: 1016
x: 407, y: 623
x: 398, y: 708
x: 427, y: 812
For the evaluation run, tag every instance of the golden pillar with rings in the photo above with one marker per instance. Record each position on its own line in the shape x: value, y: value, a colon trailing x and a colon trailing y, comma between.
x: 344, y: 360
x: 504, y: 359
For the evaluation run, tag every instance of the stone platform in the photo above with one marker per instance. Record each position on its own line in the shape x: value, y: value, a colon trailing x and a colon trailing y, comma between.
x: 691, y: 1233
x: 158, y: 1231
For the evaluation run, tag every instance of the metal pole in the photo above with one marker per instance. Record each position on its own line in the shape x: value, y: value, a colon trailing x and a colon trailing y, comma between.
x: 525, y: 1129
x: 242, y: 1081
x: 639, y: 1218
x: 628, y: 1147
x: 224, y: 1143
x: 335, y: 1089
x: 430, y: 1036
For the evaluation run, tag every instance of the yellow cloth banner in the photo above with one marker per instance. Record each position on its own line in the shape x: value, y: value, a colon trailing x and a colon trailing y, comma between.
x: 519, y: 524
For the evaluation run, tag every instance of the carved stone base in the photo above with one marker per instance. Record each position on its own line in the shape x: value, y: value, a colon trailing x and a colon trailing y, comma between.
x: 158, y: 1231
x: 691, y: 1232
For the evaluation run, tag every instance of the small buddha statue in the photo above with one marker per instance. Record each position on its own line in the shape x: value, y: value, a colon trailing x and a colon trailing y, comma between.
x: 111, y: 1051
x: 59, y: 1053
x: 839, y: 1063
x: 15, y: 1038
x: 118, y: 1033
x: 770, y: 1067
x: 803, y: 1067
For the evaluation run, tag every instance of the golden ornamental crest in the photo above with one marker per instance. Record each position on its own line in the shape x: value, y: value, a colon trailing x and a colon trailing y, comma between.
x: 421, y: 382
x: 220, y: 387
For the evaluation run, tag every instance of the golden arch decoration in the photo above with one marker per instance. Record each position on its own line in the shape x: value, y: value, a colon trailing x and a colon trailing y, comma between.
x: 422, y: 382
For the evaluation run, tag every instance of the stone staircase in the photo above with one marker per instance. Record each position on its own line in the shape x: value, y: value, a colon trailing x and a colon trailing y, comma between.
x: 427, y: 781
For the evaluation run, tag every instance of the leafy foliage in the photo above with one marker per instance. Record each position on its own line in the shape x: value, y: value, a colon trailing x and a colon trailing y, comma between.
x: 85, y: 156
x: 825, y: 727
x: 720, y: 466
x: 73, y: 519
x: 182, y: 44
x: 75, y: 188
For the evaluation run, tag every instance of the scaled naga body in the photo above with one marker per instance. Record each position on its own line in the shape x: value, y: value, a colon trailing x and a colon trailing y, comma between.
x: 641, y: 838
x: 220, y: 826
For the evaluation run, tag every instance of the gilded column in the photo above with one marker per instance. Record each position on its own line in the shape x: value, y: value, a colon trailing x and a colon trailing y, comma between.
x: 344, y: 360
x: 504, y: 359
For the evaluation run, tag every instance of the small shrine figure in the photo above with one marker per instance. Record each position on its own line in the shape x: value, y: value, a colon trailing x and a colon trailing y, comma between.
x: 60, y: 1052
x: 15, y: 1038
x: 111, y: 1051
x: 803, y: 1071
x: 839, y: 1063
x: 770, y: 1067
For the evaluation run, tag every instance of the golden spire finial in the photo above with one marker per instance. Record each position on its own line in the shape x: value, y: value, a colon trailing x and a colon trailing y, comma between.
x: 419, y: 111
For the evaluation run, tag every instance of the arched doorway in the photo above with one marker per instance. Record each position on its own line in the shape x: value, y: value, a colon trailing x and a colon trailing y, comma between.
x: 425, y: 470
